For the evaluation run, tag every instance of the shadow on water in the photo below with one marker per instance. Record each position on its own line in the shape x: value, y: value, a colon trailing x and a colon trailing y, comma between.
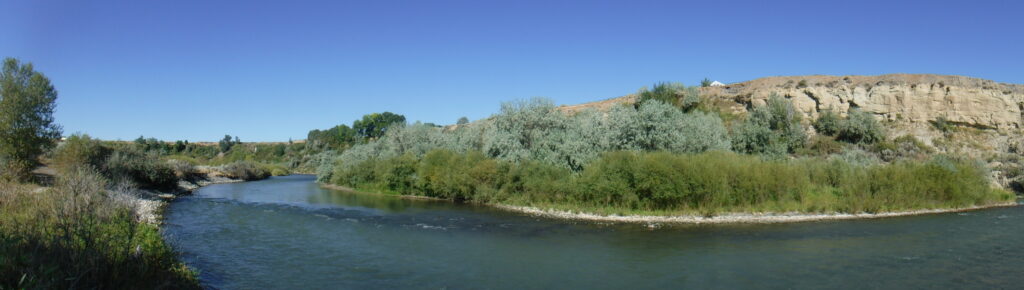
x: 287, y: 231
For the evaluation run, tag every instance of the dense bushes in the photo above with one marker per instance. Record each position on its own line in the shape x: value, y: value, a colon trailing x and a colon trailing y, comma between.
x: 77, y: 234
x: 773, y: 129
x: 244, y: 171
x: 903, y: 147
x: 660, y: 181
x: 675, y: 94
x: 79, y: 149
x: 654, y: 156
x: 140, y: 168
x: 857, y: 127
x: 118, y: 164
x: 534, y: 130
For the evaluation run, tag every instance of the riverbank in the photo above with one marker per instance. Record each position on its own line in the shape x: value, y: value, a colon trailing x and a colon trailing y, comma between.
x: 150, y: 204
x: 723, y: 218
x: 733, y: 218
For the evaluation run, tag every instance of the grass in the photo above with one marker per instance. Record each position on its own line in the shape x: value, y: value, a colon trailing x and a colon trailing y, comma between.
x: 663, y: 183
x: 78, y: 234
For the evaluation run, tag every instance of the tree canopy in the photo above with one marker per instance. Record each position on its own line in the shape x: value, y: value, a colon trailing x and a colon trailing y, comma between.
x: 27, y: 128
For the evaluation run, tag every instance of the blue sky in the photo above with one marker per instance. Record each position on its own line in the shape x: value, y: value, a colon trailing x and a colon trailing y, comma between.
x: 270, y: 71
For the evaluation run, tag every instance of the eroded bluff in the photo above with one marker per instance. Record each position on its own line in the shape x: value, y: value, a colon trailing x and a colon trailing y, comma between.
x: 899, y: 97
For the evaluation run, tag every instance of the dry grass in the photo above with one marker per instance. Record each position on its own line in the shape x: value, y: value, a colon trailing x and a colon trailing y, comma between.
x: 79, y: 234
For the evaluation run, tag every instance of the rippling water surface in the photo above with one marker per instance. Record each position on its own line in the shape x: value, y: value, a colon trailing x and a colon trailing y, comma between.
x: 286, y: 232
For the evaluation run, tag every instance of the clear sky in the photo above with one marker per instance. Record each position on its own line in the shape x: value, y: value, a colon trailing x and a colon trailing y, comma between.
x: 270, y: 71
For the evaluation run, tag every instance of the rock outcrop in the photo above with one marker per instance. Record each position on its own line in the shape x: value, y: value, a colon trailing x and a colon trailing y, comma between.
x: 897, y: 97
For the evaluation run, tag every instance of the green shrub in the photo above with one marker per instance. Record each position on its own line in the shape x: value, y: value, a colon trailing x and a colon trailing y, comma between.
x: 773, y: 129
x: 183, y: 169
x: 943, y: 125
x: 856, y: 157
x: 903, y: 147
x: 828, y: 124
x: 244, y: 170
x: 861, y: 127
x: 705, y: 183
x: 526, y: 130
x: 821, y: 145
x: 142, y: 169
x: 857, y: 127
x: 78, y: 150
x: 79, y: 235
x: 675, y: 94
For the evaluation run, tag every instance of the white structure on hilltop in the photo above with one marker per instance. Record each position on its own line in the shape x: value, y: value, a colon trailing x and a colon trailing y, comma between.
x: 717, y: 84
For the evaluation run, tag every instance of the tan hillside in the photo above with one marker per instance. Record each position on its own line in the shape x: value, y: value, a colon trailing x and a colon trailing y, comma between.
x: 898, y: 97
x: 901, y: 98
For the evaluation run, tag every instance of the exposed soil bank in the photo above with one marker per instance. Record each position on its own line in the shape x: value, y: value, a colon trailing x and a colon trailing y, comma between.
x: 726, y: 218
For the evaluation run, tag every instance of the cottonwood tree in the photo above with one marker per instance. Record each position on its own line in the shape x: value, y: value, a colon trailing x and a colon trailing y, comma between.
x: 27, y: 128
x: 373, y: 126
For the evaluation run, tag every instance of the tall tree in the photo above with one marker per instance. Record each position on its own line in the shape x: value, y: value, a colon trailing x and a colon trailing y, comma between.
x: 27, y: 102
x: 225, y: 144
x: 374, y: 125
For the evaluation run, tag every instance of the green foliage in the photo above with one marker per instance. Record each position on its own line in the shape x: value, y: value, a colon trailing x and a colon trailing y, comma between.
x: 244, y: 170
x: 226, y: 143
x: 861, y: 127
x: 706, y: 82
x: 828, y: 123
x: 704, y: 183
x: 858, y: 127
x: 675, y: 94
x: 78, y: 235
x: 856, y: 157
x: 79, y: 149
x: 462, y: 121
x: 903, y: 147
x: 121, y: 164
x: 338, y: 137
x: 373, y: 126
x: 943, y: 125
x: 821, y: 145
x: 526, y: 130
x: 801, y: 84
x: 773, y: 129
x: 140, y: 168
x: 534, y: 131
x: 183, y: 170
x: 27, y: 130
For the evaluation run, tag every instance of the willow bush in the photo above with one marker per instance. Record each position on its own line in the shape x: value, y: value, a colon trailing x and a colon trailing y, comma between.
x: 709, y: 182
x: 654, y: 157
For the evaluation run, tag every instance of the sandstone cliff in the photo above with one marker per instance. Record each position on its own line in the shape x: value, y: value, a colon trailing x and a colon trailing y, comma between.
x: 900, y: 98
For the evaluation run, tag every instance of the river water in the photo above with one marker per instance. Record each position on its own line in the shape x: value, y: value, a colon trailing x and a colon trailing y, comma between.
x: 288, y: 233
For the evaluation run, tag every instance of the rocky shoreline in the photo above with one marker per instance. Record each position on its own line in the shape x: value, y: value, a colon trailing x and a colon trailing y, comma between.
x: 733, y: 218
x: 150, y: 204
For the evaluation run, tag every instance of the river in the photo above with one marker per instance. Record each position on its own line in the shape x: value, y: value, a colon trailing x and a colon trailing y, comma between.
x: 288, y: 233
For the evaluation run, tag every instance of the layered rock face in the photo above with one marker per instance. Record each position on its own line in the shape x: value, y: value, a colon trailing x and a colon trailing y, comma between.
x: 899, y: 97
